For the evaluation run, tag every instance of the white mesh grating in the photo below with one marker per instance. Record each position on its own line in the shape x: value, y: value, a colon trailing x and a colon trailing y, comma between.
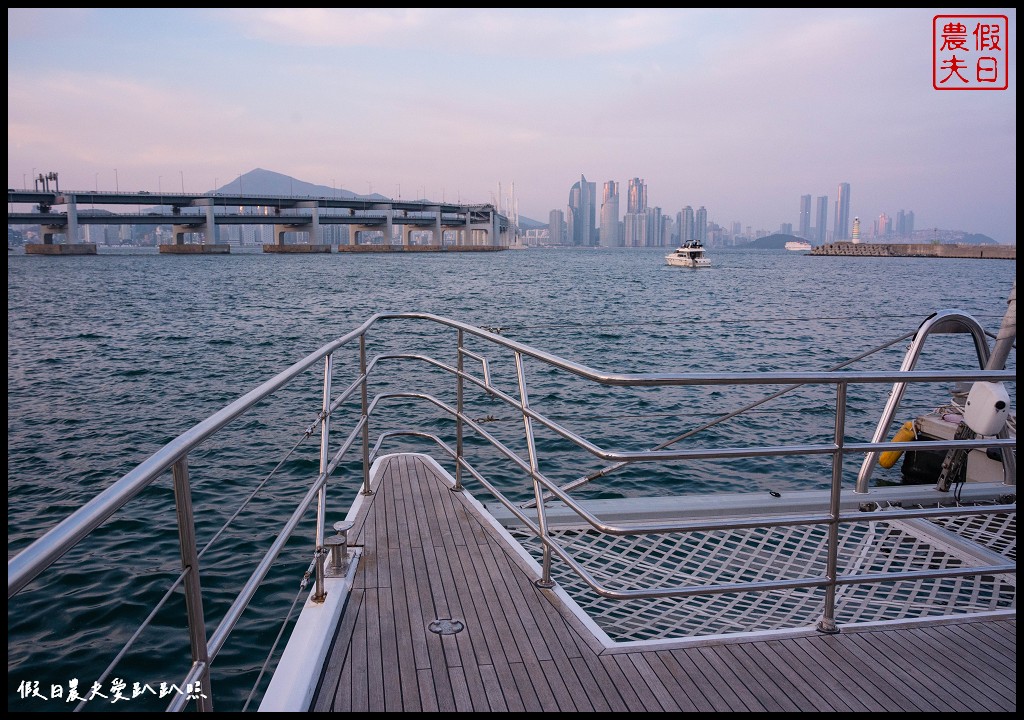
x: 704, y: 558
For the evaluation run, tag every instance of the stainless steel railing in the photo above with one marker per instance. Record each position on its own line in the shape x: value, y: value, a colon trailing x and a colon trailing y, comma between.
x: 35, y: 559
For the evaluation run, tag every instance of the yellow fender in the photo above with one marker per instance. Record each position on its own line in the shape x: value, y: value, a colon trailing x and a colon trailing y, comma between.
x: 905, y: 433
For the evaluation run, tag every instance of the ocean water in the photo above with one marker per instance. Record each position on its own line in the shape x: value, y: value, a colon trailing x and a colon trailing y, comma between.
x: 112, y: 356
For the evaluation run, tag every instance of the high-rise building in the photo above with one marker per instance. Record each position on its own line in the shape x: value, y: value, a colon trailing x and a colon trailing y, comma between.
x: 556, y: 227
x: 805, y: 217
x: 654, y: 227
x: 636, y: 201
x: 700, y: 225
x: 821, y: 220
x: 581, y: 218
x: 609, y: 232
x: 686, y: 225
x: 842, y: 227
x: 635, y: 221
x: 884, y: 226
x: 905, y: 223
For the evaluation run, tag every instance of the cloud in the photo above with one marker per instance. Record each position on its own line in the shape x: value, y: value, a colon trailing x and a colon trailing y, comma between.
x: 509, y: 32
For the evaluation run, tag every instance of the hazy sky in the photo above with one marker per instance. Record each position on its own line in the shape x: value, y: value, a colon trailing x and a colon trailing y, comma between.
x: 741, y: 111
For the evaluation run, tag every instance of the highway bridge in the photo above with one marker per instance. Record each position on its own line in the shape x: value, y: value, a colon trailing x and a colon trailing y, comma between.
x: 297, y: 221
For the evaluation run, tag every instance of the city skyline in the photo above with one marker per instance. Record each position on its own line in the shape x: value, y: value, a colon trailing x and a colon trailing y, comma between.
x: 644, y: 226
x: 736, y: 110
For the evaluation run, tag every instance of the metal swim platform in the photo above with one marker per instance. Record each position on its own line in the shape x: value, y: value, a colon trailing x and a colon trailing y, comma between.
x: 432, y: 556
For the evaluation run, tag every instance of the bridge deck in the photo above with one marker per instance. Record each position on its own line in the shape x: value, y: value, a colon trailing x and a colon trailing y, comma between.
x: 427, y: 556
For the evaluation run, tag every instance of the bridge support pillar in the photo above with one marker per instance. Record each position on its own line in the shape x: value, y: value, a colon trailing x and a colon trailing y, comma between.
x: 178, y: 232
x: 72, y: 229
x: 354, y: 230
x: 211, y: 236
x: 438, y: 230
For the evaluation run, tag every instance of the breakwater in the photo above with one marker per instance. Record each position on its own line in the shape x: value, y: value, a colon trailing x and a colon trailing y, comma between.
x: 419, y: 248
x: 999, y: 252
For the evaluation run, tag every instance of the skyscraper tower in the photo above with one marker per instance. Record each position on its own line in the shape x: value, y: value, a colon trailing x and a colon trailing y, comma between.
x: 842, y: 229
x: 805, y: 217
x: 821, y: 220
x: 635, y: 221
x: 581, y: 217
x: 686, y: 225
x: 556, y: 227
x: 636, y: 202
x: 700, y: 225
x: 609, y: 232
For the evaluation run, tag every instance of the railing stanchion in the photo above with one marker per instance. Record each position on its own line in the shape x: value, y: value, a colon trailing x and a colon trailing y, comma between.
x: 828, y: 620
x: 321, y: 498
x: 542, y: 524
x: 459, y: 386
x: 193, y: 590
x: 366, y: 420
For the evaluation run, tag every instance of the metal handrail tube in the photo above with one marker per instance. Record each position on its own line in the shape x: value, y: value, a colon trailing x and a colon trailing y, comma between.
x: 830, y: 378
x: 727, y: 416
x: 730, y: 378
x: 531, y: 450
x: 241, y: 602
x: 321, y: 502
x: 346, y: 394
x: 938, y: 322
x: 365, y: 414
x: 718, y: 524
x: 190, y: 561
x: 873, y: 578
x: 828, y: 622
x: 42, y: 553
x: 138, y: 632
x: 859, y: 377
x: 336, y: 459
x: 195, y: 673
x: 460, y: 403
x: 479, y: 358
x: 415, y: 433
x: 633, y: 529
x: 467, y: 420
x: 717, y: 453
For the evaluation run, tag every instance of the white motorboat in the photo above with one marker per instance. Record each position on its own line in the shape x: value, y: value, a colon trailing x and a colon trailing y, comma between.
x: 690, y: 254
x: 799, y: 246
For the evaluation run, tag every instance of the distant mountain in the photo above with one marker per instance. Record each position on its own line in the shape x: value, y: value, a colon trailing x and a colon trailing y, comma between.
x: 947, y: 237
x: 267, y: 182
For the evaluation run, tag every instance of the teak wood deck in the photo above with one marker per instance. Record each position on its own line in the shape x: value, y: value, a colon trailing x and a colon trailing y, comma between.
x: 427, y: 556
